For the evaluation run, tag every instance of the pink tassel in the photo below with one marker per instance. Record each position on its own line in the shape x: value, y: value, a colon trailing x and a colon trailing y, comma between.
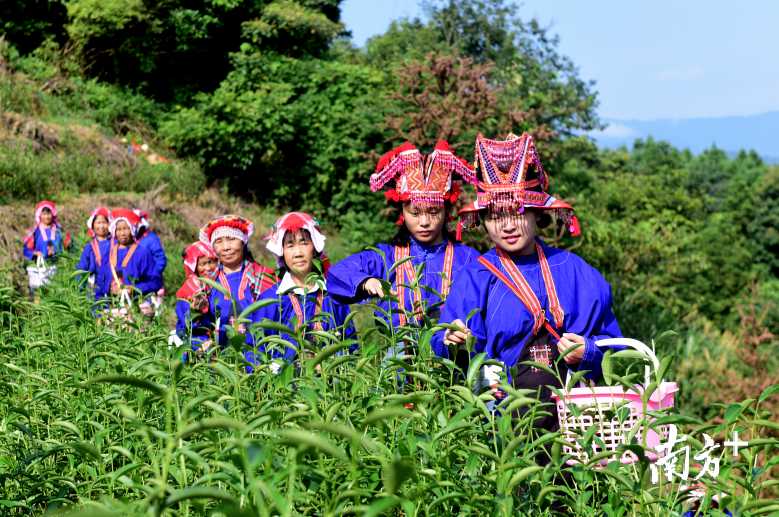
x: 459, y: 235
x: 575, y: 230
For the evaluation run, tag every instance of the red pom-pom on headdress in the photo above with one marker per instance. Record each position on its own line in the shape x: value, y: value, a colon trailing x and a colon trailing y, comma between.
x: 245, y: 226
x: 465, y: 162
x: 443, y: 145
x: 390, y: 155
x: 454, y: 194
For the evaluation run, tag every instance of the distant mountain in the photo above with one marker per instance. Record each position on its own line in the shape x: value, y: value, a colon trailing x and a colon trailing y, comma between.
x: 758, y: 132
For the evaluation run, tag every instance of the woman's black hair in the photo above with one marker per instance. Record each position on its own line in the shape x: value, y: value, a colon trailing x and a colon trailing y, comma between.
x: 247, y: 253
x: 403, y: 236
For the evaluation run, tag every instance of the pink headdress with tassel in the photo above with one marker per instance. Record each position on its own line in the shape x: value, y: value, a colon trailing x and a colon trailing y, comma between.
x: 510, y: 175
x: 430, y: 180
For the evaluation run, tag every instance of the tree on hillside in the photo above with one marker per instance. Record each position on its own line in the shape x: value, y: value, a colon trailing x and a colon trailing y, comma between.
x: 540, y: 89
x: 441, y: 98
x: 172, y: 49
x: 28, y: 23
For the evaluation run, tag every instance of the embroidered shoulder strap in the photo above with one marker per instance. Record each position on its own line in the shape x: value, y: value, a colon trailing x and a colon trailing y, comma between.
x: 403, y: 271
x: 446, y: 283
x: 519, y: 280
x: 112, y: 257
x: 96, y: 250
x: 531, y: 303
x: 257, y: 277
x: 299, y: 310
x: 129, y: 255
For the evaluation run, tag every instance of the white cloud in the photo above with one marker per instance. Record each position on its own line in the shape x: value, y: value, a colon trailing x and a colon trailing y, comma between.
x: 614, y: 130
x: 680, y: 75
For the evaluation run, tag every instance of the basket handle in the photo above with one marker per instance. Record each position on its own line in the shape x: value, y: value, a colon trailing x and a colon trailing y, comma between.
x: 40, y: 263
x: 125, y: 298
x: 638, y: 345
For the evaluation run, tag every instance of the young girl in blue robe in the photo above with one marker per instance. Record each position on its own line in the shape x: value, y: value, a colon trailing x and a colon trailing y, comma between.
x: 423, y: 190
x: 127, y: 262
x: 534, y: 302
x: 98, y: 249
x: 210, y: 310
x: 47, y: 238
x: 296, y: 241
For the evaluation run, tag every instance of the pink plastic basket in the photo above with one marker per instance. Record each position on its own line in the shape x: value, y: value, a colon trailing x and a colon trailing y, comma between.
x: 594, y: 402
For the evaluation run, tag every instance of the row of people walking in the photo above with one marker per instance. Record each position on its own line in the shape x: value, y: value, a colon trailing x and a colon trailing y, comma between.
x: 122, y: 250
x: 522, y: 301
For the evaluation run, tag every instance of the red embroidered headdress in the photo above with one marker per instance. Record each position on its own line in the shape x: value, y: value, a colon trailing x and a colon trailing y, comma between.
x: 100, y: 210
x: 128, y: 216
x: 233, y: 226
x: 510, y: 175
x: 293, y: 222
x: 408, y: 176
x: 191, y: 253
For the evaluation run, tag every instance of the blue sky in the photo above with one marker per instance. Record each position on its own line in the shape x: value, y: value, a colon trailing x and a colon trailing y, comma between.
x: 652, y: 60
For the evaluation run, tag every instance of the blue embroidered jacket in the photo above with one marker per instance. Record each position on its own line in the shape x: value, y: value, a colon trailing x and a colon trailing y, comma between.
x: 345, y: 277
x: 504, y: 324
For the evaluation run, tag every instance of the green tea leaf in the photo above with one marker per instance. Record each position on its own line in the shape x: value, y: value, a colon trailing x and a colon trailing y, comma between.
x: 396, y: 473
x: 768, y: 392
x: 199, y: 493
x: 521, y: 476
x: 128, y: 381
x: 302, y: 439
x: 86, y: 450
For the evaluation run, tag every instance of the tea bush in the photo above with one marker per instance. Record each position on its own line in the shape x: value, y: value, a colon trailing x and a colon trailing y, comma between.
x: 113, y: 421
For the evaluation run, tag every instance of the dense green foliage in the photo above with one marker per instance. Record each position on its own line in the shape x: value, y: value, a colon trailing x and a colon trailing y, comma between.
x: 675, y: 230
x: 171, y: 49
x: 113, y: 420
x: 268, y: 99
x: 293, y: 116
